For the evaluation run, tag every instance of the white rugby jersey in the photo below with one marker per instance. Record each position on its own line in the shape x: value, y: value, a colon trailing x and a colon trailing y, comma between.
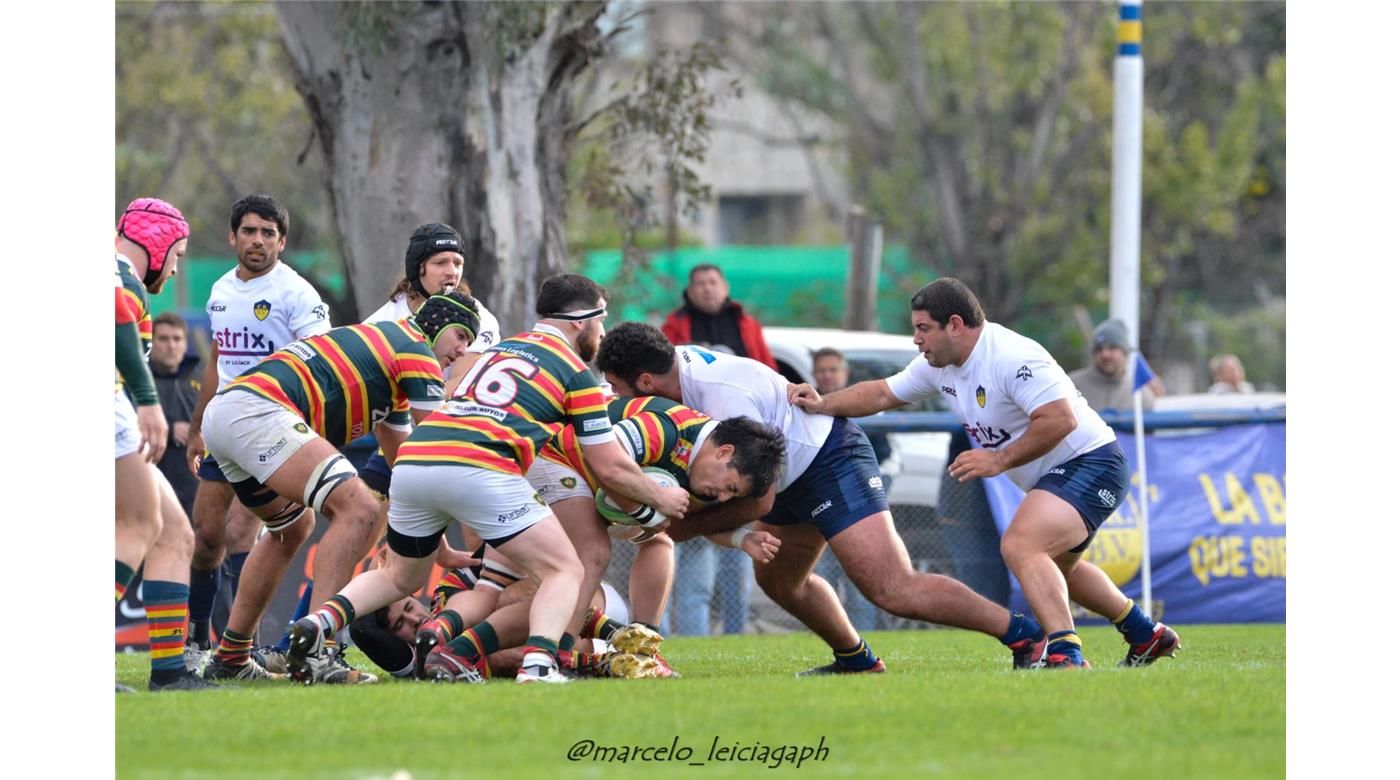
x: 397, y: 309
x: 724, y: 386
x: 252, y: 319
x: 1006, y: 377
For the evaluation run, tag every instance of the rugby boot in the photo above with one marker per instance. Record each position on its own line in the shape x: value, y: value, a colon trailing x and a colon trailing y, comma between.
x: 1164, y: 642
x: 1064, y: 661
x: 664, y: 669
x: 540, y: 673
x: 195, y: 658
x: 443, y: 665
x: 424, y: 643
x: 272, y: 659
x: 835, y: 667
x: 332, y: 669
x: 1029, y: 653
x: 636, y: 638
x: 627, y: 666
x: 303, y: 648
x: 185, y: 682
x: 216, y: 669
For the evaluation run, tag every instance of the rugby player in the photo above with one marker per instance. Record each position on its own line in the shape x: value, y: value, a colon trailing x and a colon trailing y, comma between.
x: 150, y: 525
x: 1030, y: 423
x: 830, y: 493
x: 467, y: 463
x: 255, y: 309
x: 275, y: 431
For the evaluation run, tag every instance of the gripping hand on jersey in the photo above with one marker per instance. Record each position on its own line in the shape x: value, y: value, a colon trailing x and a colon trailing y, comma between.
x: 976, y: 463
x: 804, y: 396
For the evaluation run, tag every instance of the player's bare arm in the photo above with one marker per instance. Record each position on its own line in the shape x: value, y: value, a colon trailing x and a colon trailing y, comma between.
x: 1049, y: 425
x: 724, y: 517
x: 623, y: 477
x: 858, y: 400
x: 389, y: 440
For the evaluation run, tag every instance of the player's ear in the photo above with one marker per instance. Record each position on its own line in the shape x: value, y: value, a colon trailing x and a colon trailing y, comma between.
x: 645, y: 383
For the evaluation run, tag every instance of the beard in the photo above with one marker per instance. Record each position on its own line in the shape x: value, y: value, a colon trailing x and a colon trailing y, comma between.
x: 588, y: 347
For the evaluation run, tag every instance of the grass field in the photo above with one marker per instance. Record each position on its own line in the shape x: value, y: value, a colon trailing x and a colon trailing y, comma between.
x: 949, y: 706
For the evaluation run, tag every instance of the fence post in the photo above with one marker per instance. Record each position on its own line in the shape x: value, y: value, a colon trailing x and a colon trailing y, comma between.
x: 866, y: 238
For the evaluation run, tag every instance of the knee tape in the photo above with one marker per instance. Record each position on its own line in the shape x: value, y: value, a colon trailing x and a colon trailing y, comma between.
x: 325, y: 478
x: 284, y: 517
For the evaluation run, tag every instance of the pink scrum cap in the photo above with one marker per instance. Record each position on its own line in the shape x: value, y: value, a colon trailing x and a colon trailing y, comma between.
x: 155, y: 226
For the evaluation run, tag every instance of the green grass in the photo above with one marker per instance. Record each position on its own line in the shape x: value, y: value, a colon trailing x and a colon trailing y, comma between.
x: 949, y: 706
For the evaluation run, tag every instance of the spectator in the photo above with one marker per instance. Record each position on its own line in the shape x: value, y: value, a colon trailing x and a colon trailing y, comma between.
x: 1229, y: 376
x: 710, y: 318
x: 177, y: 377
x: 831, y: 373
x: 1107, y: 383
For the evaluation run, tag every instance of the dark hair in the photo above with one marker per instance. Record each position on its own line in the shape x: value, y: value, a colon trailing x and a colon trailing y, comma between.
x: 170, y: 318
x: 372, y: 636
x: 264, y: 206
x: 946, y: 297
x: 703, y: 267
x: 633, y: 348
x: 825, y: 352
x: 567, y: 292
x: 759, y: 450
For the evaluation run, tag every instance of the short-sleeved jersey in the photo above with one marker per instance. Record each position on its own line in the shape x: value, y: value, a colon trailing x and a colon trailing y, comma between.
x: 251, y: 319
x: 131, y: 301
x: 655, y: 431
x: 516, y: 397
x: 489, y: 334
x: 346, y: 381
x: 724, y: 386
x: 1006, y: 377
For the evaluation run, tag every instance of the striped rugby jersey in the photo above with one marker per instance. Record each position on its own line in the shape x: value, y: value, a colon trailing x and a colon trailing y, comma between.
x: 658, y: 432
x: 515, y: 398
x: 345, y: 381
x: 131, y: 301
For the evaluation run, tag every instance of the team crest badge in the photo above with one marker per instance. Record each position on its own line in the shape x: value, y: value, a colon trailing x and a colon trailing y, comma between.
x: 982, y: 396
x: 1024, y: 373
x: 568, y: 482
x: 301, y: 428
x: 261, y: 309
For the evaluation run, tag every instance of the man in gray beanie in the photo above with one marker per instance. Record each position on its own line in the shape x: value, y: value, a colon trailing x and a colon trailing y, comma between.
x: 1106, y: 383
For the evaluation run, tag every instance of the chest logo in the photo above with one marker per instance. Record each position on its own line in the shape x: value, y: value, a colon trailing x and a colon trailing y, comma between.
x: 261, y: 309
x: 1023, y: 373
x: 982, y: 396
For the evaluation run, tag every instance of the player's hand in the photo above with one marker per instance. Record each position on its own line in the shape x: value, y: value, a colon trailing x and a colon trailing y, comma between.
x: 674, y: 502
x: 976, y: 463
x: 194, y: 451
x: 151, y: 422
x: 761, y: 546
x: 449, y: 558
x: 805, y: 397
x: 180, y: 433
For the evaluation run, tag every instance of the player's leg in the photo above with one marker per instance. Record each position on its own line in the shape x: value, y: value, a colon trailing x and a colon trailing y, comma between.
x: 166, y: 592
x: 138, y: 520
x: 789, y: 581
x: 1044, y: 527
x: 581, y: 523
x: 649, y: 585
x: 241, y: 533
x: 1090, y: 587
x: 543, y: 550
x: 212, y: 500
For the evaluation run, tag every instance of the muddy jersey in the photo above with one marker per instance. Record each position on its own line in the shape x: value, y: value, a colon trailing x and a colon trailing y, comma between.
x: 345, y: 381
x: 518, y: 395
x: 1006, y: 377
x: 654, y: 431
x: 252, y: 319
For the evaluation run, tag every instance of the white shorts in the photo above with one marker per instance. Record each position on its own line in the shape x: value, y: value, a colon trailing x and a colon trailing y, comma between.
x: 424, y: 500
x: 251, y: 436
x: 128, y: 431
x: 555, y: 483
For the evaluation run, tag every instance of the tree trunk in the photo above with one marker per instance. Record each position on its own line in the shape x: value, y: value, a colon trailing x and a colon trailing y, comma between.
x: 445, y: 112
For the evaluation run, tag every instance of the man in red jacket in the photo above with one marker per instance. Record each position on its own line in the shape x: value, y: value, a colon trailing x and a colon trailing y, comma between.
x: 709, y: 318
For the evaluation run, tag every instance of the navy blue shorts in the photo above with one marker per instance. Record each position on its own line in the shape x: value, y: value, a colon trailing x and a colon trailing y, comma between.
x: 209, y: 469
x: 376, y: 473
x: 1094, y: 483
x: 840, y: 488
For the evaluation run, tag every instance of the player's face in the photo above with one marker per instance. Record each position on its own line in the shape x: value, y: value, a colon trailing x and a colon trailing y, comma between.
x: 257, y: 242
x: 167, y: 346
x: 620, y: 387
x: 450, y: 345
x: 441, y: 272
x: 1110, y: 359
x: 933, y: 340
x: 592, y: 335
x: 713, y: 477
x: 830, y: 374
x: 173, y: 256
x: 708, y: 291
x: 405, y: 617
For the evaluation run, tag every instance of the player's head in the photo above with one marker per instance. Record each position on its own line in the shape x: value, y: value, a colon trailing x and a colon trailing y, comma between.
x: 153, y: 234
x: 403, y: 618
x: 258, y: 232
x: 944, y: 314
x: 829, y: 370
x: 1111, y: 347
x: 168, y: 340
x: 742, y: 457
x: 451, y: 322
x: 633, y: 356
x: 434, y: 259
x: 707, y: 289
x: 577, y: 305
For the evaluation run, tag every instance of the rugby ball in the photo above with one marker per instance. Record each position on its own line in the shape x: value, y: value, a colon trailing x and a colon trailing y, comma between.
x: 613, y: 514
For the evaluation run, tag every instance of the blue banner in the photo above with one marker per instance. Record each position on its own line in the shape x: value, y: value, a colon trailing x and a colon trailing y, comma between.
x: 1218, y: 533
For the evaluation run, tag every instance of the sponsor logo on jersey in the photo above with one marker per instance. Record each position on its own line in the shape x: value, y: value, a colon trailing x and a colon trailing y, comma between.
x: 598, y: 424
x: 464, y: 408
x: 217, y: 307
x: 705, y: 356
x: 982, y: 396
x: 242, y: 343
x: 1107, y: 497
x: 276, y: 448
x: 638, y: 446
x: 301, y: 350
x: 518, y: 512
x: 986, y: 437
x: 568, y: 482
x: 261, y: 309
x: 825, y: 505
x: 1023, y: 373
x: 434, y: 391
x: 949, y: 391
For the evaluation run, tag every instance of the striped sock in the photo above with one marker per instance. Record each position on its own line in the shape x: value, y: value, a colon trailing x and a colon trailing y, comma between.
x: 1134, y: 624
x: 124, y: 576
x: 167, y: 615
x: 447, y: 625
x: 543, y: 646
x: 596, y: 624
x: 858, y: 658
x: 566, y: 643
x: 334, y: 615
x: 1066, y: 643
x: 235, y: 649
x: 478, y: 641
